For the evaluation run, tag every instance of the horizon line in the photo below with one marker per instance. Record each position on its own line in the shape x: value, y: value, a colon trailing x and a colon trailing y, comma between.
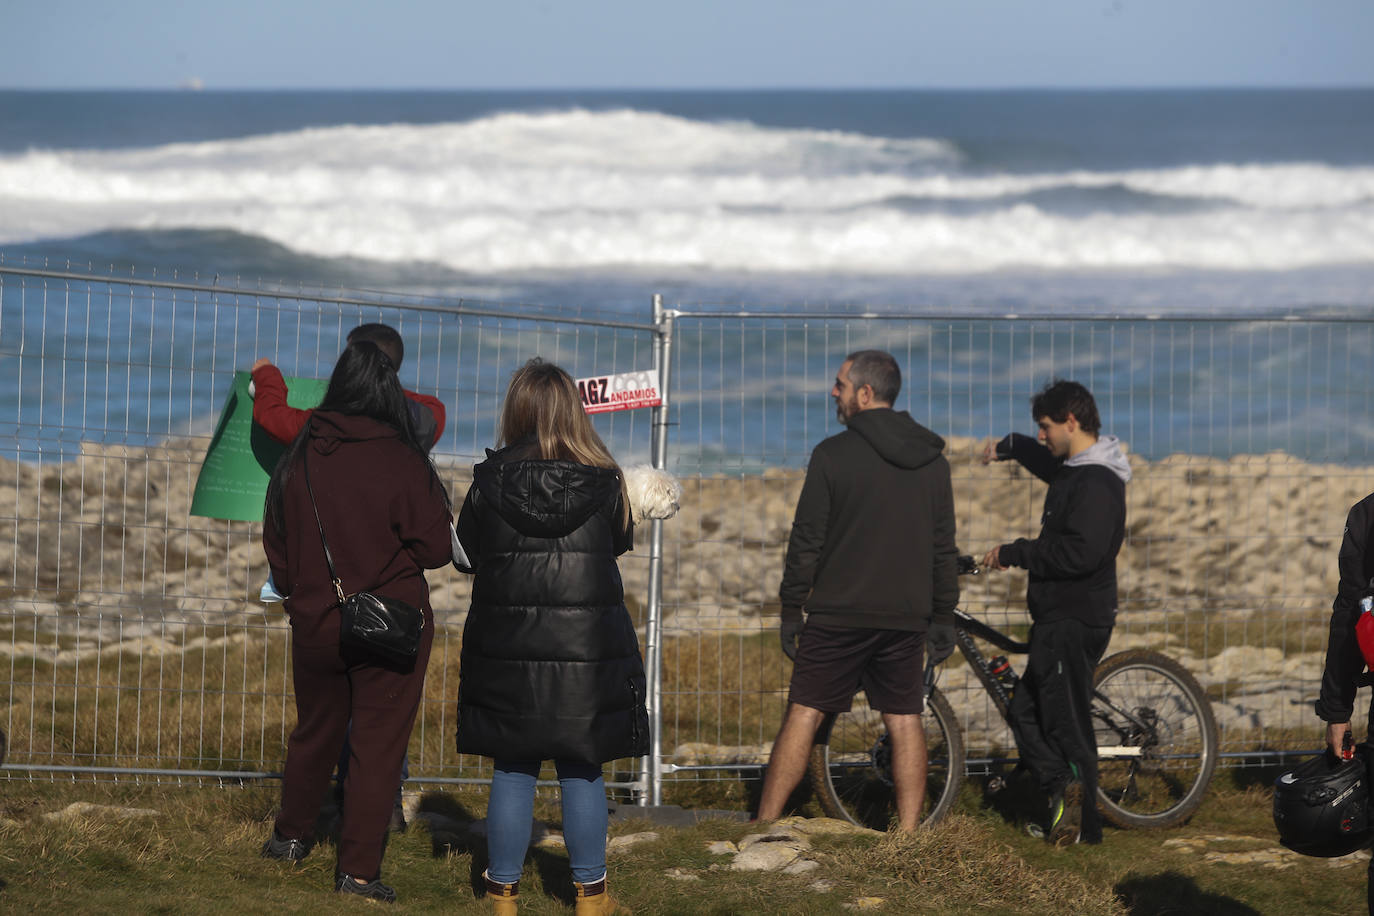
x: 202, y: 88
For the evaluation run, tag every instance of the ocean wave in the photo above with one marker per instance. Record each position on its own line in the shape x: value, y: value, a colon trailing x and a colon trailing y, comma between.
x: 1066, y: 200
x: 578, y: 189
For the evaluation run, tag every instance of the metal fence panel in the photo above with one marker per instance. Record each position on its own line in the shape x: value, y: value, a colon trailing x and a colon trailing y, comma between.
x: 134, y: 641
x: 131, y: 629
x: 1247, y: 439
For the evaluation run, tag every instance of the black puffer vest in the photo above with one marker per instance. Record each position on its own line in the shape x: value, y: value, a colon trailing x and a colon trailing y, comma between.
x: 550, y: 663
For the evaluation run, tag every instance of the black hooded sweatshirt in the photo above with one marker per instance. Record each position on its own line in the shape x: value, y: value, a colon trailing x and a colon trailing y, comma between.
x: 550, y: 665
x: 1344, y: 673
x: 872, y: 543
x: 1072, y: 563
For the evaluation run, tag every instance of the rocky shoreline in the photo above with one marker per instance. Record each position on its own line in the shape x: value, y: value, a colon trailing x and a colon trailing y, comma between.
x: 1229, y: 565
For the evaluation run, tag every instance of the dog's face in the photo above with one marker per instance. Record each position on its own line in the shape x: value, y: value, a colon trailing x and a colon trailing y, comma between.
x: 661, y: 499
x: 653, y: 493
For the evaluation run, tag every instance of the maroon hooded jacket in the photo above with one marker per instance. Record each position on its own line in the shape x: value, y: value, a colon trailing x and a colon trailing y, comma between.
x: 384, y: 513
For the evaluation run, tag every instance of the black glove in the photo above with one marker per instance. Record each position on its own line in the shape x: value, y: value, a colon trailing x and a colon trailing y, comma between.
x: 939, y: 642
x: 790, y: 631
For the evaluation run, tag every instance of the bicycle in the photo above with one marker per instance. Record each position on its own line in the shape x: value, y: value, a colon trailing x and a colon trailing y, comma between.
x: 1156, y: 740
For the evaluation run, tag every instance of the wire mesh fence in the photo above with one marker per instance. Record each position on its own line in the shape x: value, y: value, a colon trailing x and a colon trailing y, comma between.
x: 135, y: 643
x: 130, y: 627
x: 1247, y: 440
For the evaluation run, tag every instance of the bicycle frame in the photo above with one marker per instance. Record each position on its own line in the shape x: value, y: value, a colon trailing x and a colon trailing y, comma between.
x: 968, y: 627
x: 1156, y: 741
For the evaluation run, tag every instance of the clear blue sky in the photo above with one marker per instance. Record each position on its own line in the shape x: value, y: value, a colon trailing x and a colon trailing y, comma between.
x: 453, y: 44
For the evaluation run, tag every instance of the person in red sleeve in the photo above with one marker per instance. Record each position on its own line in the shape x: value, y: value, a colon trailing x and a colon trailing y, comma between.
x: 282, y: 422
x: 1344, y: 673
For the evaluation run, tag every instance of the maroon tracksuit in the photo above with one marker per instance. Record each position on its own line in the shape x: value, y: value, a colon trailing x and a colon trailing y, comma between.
x: 386, y: 519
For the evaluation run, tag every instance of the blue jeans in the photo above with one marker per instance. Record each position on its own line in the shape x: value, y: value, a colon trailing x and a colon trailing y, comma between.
x: 510, y: 814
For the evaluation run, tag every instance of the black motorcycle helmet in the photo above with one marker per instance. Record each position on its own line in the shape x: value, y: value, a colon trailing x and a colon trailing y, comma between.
x: 1321, y: 807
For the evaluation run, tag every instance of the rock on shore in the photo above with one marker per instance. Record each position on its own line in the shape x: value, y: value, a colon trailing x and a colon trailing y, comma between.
x: 1229, y: 564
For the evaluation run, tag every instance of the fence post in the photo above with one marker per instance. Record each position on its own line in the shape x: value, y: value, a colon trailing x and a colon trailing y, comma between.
x: 653, y: 772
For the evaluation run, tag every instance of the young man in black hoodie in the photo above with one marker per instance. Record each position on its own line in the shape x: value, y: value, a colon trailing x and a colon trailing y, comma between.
x: 872, y: 563
x: 1344, y: 672
x: 1071, y: 595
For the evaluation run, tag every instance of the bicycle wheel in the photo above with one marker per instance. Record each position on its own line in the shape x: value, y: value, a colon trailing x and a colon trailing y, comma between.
x: 851, y: 774
x: 1156, y: 740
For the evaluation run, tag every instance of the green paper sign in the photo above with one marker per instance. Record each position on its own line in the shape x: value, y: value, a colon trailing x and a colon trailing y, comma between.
x: 233, y: 478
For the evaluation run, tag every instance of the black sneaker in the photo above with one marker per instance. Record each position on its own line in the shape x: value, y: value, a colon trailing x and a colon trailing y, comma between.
x: 279, y: 847
x: 1066, y: 819
x: 372, y: 890
x: 1040, y: 829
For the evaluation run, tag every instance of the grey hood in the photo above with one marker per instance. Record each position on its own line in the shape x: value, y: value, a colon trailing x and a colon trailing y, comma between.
x: 896, y: 437
x: 1107, y: 452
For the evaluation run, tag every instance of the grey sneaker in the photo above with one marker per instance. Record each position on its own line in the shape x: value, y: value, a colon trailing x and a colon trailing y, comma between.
x: 279, y: 847
x: 372, y: 890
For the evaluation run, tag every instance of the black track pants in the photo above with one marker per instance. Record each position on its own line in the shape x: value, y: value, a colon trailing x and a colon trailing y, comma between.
x: 1050, y: 710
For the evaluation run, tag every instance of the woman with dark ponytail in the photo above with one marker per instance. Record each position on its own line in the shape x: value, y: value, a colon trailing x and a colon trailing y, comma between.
x: 386, y: 517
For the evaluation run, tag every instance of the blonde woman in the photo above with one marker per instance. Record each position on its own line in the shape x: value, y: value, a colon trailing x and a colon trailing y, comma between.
x: 551, y: 666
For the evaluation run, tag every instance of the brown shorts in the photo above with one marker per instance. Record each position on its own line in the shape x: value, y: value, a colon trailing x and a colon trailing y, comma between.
x: 833, y: 663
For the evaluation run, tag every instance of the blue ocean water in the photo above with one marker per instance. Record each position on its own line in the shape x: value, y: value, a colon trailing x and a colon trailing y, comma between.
x: 1065, y: 204
x: 1122, y: 201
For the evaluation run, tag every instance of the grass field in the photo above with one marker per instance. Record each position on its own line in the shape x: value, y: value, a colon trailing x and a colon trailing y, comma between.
x: 189, y: 849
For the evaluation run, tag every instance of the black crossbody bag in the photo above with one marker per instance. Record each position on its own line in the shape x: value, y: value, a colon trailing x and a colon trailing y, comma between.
x: 385, y: 631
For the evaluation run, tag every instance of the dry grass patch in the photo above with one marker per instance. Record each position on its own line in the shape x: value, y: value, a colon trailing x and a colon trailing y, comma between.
x: 959, y: 865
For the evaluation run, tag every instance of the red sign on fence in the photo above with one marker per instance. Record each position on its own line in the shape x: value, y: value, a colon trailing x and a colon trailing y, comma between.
x: 624, y: 391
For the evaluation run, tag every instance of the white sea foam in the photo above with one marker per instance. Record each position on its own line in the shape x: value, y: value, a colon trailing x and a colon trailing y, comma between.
x: 578, y: 189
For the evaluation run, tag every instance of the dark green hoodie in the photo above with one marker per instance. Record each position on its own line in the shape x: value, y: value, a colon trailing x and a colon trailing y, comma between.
x: 872, y: 543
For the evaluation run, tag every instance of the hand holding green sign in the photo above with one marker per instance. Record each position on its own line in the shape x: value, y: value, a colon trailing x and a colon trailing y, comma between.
x: 233, y: 477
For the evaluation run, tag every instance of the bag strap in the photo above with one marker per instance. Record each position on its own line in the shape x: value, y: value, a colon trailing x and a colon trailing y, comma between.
x: 328, y: 557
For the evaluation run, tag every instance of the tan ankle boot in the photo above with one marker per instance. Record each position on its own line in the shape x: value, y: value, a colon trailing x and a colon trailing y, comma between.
x: 502, y: 896
x: 593, y: 900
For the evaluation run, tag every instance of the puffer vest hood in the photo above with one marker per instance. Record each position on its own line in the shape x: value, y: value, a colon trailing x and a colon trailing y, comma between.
x: 544, y: 499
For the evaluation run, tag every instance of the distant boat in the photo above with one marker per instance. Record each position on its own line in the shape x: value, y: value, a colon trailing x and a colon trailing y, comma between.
x: 192, y: 84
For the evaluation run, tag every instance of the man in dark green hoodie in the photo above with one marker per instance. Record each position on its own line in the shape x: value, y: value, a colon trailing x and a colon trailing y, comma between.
x: 872, y: 564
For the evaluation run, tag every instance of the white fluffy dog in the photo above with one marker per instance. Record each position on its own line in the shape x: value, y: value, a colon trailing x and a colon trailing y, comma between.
x: 653, y: 493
